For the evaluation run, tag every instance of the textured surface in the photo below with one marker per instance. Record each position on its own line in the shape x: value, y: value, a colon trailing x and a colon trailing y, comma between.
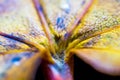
x: 100, y: 18
x: 24, y: 23
x: 95, y: 40
x: 19, y: 18
x: 61, y: 14
x: 97, y: 37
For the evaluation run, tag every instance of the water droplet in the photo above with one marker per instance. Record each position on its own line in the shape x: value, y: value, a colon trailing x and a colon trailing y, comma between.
x: 16, y: 60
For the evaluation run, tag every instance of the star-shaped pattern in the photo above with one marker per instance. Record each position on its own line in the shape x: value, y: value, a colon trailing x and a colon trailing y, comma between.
x: 49, y: 32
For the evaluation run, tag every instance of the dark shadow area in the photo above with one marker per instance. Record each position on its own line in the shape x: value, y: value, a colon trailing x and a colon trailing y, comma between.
x: 83, y: 71
x: 39, y: 74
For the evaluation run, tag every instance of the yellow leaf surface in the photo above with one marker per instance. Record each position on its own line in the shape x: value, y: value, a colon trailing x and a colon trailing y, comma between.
x: 22, y: 40
x: 102, y: 18
x: 21, y: 21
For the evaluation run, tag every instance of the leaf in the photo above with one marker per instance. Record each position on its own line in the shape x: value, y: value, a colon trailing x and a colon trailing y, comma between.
x: 24, y: 23
x: 22, y: 40
x: 62, y: 14
x: 100, y: 19
x: 31, y: 31
x: 23, y: 69
x: 104, y: 60
x: 109, y: 40
x: 100, y: 50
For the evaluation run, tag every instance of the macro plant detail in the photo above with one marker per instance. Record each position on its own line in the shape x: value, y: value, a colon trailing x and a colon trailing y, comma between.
x: 49, y: 33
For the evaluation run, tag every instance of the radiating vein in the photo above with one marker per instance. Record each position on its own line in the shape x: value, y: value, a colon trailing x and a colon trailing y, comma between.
x: 44, y: 24
x: 100, y: 19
